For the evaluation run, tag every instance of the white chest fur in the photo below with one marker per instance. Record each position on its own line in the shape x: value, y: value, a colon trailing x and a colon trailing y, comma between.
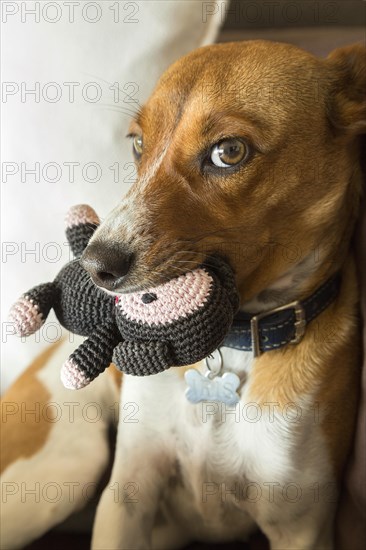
x: 225, y: 461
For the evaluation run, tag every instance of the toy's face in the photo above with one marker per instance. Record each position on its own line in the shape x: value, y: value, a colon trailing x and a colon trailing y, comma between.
x: 176, y: 299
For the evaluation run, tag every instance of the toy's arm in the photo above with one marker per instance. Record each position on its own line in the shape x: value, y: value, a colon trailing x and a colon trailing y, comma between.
x: 91, y: 358
x: 31, y: 310
x: 143, y: 358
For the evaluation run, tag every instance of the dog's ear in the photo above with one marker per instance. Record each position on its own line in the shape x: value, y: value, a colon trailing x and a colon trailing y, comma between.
x: 347, y: 109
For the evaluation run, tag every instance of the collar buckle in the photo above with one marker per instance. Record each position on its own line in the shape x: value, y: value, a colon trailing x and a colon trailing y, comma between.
x: 300, y: 324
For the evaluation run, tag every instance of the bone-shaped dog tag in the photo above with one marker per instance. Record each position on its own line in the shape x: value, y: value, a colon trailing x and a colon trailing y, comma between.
x: 220, y: 388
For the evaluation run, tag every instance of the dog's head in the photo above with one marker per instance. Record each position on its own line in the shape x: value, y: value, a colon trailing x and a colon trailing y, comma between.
x: 247, y: 150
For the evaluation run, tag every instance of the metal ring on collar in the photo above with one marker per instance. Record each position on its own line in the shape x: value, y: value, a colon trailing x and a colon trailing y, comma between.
x: 212, y: 370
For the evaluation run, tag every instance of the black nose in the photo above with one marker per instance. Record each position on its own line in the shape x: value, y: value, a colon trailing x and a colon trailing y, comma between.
x: 107, y: 264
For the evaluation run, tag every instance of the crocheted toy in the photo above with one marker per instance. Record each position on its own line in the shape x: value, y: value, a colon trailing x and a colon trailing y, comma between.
x: 177, y: 323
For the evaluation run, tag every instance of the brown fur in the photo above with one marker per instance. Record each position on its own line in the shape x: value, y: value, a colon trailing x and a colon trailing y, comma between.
x: 184, y: 216
x: 23, y: 435
x: 116, y: 375
x: 332, y: 343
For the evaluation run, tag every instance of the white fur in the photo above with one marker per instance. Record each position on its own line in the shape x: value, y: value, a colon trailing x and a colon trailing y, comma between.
x: 223, y: 454
x: 153, y: 168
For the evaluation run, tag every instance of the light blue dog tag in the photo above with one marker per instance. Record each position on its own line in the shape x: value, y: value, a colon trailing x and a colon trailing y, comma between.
x: 207, y: 388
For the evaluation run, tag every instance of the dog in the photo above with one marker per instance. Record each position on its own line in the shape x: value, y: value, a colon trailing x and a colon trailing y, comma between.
x: 251, y: 151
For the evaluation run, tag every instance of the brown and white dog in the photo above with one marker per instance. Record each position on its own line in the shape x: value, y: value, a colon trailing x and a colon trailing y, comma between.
x: 250, y: 150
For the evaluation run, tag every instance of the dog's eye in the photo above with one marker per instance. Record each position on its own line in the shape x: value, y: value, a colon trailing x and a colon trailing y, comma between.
x: 137, y: 146
x: 228, y: 152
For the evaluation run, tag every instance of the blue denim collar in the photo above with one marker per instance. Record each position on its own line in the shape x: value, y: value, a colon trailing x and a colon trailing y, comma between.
x: 278, y: 327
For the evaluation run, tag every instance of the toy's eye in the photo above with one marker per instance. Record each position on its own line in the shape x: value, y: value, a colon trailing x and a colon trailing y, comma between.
x: 137, y: 146
x: 148, y: 297
x: 228, y: 152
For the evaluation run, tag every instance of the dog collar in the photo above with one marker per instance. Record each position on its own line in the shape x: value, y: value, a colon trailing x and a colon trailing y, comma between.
x: 282, y: 325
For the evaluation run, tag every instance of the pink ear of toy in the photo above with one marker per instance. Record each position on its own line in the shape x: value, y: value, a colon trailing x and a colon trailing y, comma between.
x: 81, y: 214
x: 72, y: 377
x: 25, y: 317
